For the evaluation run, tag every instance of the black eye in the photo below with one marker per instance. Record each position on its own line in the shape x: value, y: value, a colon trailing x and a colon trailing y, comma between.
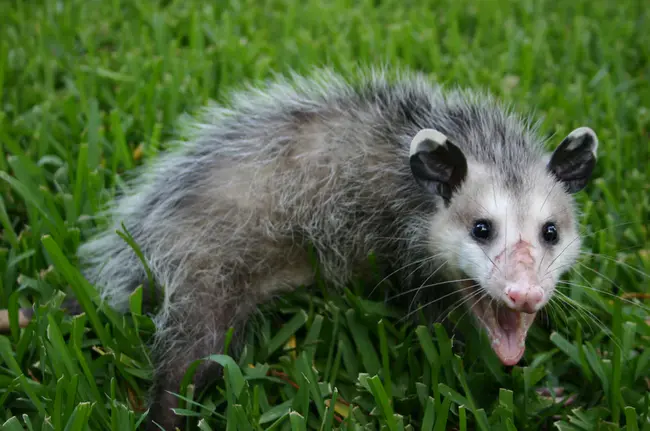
x: 549, y: 233
x: 482, y: 230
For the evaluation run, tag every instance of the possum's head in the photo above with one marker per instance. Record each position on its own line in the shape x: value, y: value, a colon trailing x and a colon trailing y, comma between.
x: 512, y: 235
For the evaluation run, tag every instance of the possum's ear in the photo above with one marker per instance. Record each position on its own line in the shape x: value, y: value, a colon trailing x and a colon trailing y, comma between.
x: 574, y: 159
x: 436, y: 163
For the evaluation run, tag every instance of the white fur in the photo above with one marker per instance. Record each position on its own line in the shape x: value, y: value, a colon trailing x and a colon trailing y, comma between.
x: 581, y: 131
x: 515, y: 217
x: 423, y: 136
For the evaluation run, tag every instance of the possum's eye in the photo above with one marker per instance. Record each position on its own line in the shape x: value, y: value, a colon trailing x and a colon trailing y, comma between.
x: 482, y: 230
x: 549, y: 233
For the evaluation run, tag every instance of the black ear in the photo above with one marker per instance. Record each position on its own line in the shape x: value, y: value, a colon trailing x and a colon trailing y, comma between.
x: 437, y: 164
x: 574, y: 159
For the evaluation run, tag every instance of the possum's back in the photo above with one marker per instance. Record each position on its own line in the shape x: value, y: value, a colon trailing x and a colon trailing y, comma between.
x: 311, y: 160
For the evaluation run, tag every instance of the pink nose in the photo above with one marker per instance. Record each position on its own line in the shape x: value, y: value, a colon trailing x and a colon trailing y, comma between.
x: 525, y: 298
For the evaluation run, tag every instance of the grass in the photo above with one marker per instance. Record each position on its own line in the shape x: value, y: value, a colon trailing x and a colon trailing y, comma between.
x: 89, y: 89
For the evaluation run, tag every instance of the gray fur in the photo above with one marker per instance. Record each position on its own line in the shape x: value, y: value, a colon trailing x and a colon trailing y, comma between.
x: 225, y: 219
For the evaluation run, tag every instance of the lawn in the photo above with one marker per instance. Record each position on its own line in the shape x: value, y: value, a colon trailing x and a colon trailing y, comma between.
x: 90, y: 89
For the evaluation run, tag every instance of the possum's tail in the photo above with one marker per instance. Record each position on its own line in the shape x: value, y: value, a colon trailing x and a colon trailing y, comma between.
x: 25, y: 315
x: 112, y: 266
x: 72, y: 308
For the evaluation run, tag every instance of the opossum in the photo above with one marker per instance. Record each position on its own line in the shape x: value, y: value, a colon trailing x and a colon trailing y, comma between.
x: 396, y: 165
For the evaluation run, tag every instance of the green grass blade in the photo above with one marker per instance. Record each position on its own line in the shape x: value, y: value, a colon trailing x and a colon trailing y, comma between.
x: 298, y: 422
x: 12, y: 424
x: 79, y: 418
x: 287, y: 331
x: 442, y: 414
x: 429, y: 415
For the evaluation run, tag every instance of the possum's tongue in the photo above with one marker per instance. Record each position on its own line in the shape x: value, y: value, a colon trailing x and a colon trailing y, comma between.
x: 509, y: 335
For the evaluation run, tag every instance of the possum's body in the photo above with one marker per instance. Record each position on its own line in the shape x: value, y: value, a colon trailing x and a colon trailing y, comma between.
x: 226, y: 220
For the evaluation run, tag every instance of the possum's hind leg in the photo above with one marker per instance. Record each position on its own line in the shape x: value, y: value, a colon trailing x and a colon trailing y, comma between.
x: 195, y: 328
x: 191, y: 332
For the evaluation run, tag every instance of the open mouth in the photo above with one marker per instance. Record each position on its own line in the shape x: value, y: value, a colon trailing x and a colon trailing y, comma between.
x: 506, y: 328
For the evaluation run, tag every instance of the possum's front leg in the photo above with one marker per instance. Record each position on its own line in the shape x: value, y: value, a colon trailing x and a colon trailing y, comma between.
x: 195, y: 327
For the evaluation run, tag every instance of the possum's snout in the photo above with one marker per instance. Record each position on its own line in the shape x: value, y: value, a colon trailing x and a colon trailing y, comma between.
x: 524, y: 296
x: 522, y: 291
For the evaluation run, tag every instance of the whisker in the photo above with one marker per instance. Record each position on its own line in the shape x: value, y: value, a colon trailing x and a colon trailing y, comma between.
x: 586, y: 256
x: 564, y: 306
x: 557, y: 213
x: 446, y: 296
x: 395, y: 238
x: 556, y: 302
x: 549, y: 194
x: 563, y: 250
x: 466, y: 299
x: 582, y: 236
x: 613, y: 226
x: 405, y: 292
x: 599, y: 274
x: 550, y: 270
x: 469, y: 308
x: 580, y: 310
x: 422, y: 261
x: 482, y: 207
x: 599, y: 322
x: 424, y: 282
x: 505, y: 236
x: 621, y: 250
x: 614, y: 295
x: 430, y: 303
x: 542, y: 260
x: 604, y: 292
x: 611, y: 259
x: 490, y: 259
x: 461, y: 300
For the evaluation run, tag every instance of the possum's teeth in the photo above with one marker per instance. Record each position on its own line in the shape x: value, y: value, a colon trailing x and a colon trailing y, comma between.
x: 508, y: 333
x: 507, y: 329
x: 508, y: 342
